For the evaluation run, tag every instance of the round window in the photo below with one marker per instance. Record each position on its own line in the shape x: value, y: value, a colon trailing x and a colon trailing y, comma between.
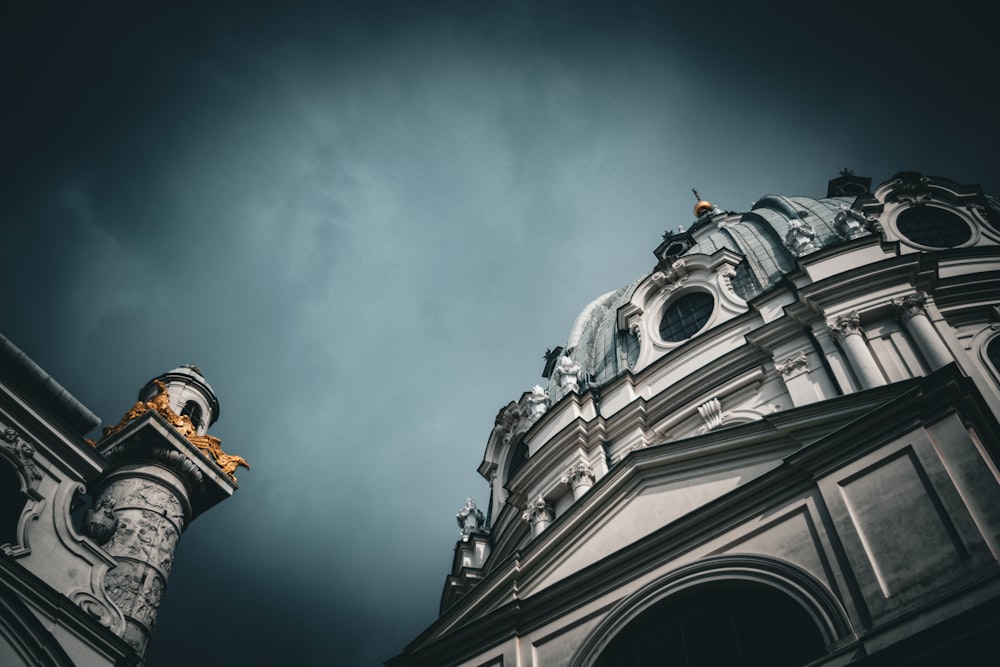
x: 933, y: 227
x: 686, y: 316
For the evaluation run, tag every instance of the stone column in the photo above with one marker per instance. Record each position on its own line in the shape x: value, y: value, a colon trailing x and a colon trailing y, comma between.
x: 580, y: 477
x: 912, y: 312
x: 847, y: 329
x: 539, y: 514
x: 152, y: 508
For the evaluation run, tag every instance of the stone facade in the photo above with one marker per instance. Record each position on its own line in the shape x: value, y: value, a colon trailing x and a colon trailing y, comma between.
x: 782, y: 450
x: 81, y: 585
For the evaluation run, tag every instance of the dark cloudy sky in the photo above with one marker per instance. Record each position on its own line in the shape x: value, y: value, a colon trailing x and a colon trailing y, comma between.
x: 367, y: 222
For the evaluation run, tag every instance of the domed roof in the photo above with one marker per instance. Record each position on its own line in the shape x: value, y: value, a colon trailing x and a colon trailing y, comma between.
x: 604, y: 352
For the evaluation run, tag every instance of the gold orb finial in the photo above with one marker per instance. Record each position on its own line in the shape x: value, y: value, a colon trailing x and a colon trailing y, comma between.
x: 703, y: 206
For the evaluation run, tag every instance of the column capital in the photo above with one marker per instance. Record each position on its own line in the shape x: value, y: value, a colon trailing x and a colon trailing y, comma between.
x: 845, y: 325
x: 579, y: 474
x: 538, y: 511
x: 911, y: 305
x: 792, y: 365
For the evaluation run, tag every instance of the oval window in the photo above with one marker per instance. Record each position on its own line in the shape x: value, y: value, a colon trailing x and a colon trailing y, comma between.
x: 686, y: 316
x: 933, y: 227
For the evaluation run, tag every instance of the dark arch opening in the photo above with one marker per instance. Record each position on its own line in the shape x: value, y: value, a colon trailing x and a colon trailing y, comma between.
x: 518, y: 457
x: 193, y: 411
x: 735, y: 623
x: 12, y: 501
x: 993, y: 353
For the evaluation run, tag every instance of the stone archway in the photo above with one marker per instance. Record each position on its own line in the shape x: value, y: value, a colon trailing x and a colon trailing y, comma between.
x: 746, y: 611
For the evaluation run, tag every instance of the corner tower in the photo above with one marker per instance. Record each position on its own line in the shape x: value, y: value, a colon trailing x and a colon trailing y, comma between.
x: 165, y: 470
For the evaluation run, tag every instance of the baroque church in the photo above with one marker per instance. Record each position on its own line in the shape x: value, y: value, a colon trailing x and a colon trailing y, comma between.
x: 779, y: 446
x: 88, y: 529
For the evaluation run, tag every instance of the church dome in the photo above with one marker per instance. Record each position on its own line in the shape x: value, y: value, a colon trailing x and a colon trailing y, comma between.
x: 759, y: 237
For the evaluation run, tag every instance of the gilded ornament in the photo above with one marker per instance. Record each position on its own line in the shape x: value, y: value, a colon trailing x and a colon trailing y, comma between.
x: 206, y: 443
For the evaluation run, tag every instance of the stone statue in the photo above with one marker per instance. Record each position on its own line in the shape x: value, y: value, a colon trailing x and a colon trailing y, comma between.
x: 568, y: 373
x: 849, y: 223
x: 538, y: 401
x: 470, y: 519
x: 800, y: 238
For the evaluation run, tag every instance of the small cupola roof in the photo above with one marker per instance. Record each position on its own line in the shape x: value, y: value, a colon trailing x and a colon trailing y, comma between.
x: 189, y: 376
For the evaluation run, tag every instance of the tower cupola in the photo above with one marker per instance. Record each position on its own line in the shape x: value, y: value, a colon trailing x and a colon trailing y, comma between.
x: 189, y: 394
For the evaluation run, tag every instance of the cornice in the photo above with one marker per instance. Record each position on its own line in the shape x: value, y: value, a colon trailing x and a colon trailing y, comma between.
x: 879, y: 414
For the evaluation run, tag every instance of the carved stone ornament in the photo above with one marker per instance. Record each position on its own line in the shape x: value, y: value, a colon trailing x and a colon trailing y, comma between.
x: 911, y: 305
x: 642, y: 444
x: 711, y: 413
x: 538, y: 402
x: 23, y: 454
x: 912, y: 191
x: 635, y: 328
x: 672, y: 278
x: 801, y: 238
x: 470, y: 519
x: 844, y: 325
x: 915, y: 199
x: 137, y: 591
x: 579, y: 474
x: 672, y: 287
x: 850, y: 223
x: 206, y: 443
x: 726, y: 275
x: 93, y: 607
x: 539, y: 510
x: 100, y: 522
x: 793, y: 365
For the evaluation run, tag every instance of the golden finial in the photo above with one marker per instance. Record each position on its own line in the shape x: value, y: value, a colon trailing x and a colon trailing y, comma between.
x: 702, y: 207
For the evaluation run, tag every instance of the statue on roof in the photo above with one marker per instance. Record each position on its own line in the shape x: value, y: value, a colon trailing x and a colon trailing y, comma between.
x: 568, y: 374
x: 538, y: 402
x: 470, y: 519
x: 800, y: 238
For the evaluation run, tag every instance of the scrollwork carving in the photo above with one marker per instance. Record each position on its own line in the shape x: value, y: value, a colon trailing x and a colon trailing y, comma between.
x: 22, y: 454
x: 711, y: 413
x: 793, y: 365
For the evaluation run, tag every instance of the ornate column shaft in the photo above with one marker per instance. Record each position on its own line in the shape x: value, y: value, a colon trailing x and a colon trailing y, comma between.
x: 912, y: 311
x: 847, y: 329
x: 152, y: 509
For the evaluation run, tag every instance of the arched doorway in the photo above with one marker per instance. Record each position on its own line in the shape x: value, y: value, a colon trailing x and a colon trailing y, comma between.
x: 732, y: 623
